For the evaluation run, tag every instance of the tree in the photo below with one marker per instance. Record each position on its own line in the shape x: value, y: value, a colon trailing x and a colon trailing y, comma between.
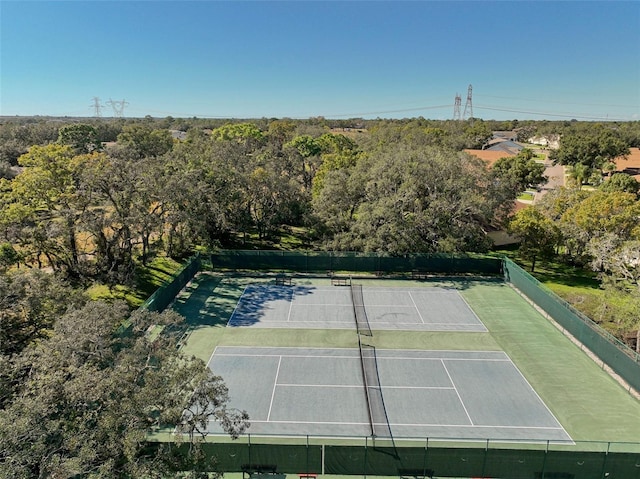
x: 538, y: 235
x: 621, y: 182
x: 8, y: 256
x: 424, y: 200
x: 618, y: 263
x: 202, y: 192
x: 144, y: 141
x: 618, y: 259
x: 81, y: 137
x: 579, y: 173
x: 337, y: 152
x: 30, y: 303
x: 606, y: 212
x: 522, y: 171
x: 592, y: 150
x: 268, y: 199
x: 477, y: 133
x: 246, y: 134
x: 92, y: 396
x: 120, y: 202
x: 47, y: 200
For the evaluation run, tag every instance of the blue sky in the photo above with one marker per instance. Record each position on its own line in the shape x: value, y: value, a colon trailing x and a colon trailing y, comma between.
x: 338, y: 59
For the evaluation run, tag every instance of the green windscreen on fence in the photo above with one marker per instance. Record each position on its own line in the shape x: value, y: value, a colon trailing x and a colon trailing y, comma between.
x: 164, y: 295
x: 432, y: 459
x: 330, y: 261
x: 622, y: 359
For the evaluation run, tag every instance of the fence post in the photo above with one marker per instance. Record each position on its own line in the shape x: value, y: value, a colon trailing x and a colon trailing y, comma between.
x: 604, y: 462
x: 484, y: 459
x: 425, y: 462
x: 544, y: 462
x: 366, y: 451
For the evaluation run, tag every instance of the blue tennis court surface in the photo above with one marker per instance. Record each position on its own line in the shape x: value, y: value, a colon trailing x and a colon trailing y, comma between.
x: 303, y: 307
x: 435, y: 394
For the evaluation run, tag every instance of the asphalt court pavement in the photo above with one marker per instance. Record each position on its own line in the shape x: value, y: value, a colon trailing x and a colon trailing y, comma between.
x: 304, y: 307
x: 436, y: 394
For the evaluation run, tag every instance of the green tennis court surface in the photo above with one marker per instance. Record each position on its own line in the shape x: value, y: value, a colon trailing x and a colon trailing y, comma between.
x: 517, y: 376
x: 417, y: 309
x: 299, y: 391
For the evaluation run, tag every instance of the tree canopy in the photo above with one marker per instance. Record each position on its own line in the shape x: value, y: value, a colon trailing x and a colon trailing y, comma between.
x: 88, y: 397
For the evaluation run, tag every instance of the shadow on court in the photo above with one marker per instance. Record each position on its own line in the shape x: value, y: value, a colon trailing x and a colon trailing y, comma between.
x: 199, y: 310
x: 260, y: 302
x: 459, y: 283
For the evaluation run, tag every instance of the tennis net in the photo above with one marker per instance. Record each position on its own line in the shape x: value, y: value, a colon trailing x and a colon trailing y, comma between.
x: 375, y: 402
x: 366, y: 386
x: 362, y: 322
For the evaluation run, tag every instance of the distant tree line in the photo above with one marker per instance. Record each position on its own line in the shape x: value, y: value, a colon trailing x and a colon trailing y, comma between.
x: 84, y: 201
x: 90, y: 208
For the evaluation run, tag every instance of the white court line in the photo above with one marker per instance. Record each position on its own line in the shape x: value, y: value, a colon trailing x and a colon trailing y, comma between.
x: 321, y: 350
x: 435, y: 388
x: 471, y: 425
x: 212, y: 354
x: 416, y: 306
x: 477, y: 426
x: 286, y: 356
x: 290, y: 306
x: 344, y: 305
x: 488, y: 360
x: 230, y: 320
x: 406, y: 424
x: 379, y: 323
x: 262, y: 421
x: 275, y: 384
x: 540, y: 399
x: 454, y: 387
x: 353, y: 386
x: 472, y: 311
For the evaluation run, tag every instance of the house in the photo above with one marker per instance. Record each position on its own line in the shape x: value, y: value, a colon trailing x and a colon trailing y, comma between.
x: 490, y: 156
x: 548, y: 141
x: 504, y: 146
x: 629, y: 164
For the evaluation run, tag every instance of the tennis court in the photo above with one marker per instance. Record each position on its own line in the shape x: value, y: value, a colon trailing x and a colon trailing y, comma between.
x: 460, y: 401
x: 330, y: 307
x: 444, y: 394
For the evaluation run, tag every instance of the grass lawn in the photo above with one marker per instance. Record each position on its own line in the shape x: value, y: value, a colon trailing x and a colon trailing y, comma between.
x: 157, y: 272
x: 582, y: 289
x: 526, y: 196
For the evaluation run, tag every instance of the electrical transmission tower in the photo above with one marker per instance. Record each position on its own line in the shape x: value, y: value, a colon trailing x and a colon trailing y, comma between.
x: 468, y: 106
x: 97, y: 107
x: 456, y: 107
x: 118, y: 107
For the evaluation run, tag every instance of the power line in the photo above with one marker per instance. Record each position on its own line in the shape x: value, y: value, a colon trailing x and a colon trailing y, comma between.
x: 408, y: 110
x: 558, y: 115
x: 538, y: 100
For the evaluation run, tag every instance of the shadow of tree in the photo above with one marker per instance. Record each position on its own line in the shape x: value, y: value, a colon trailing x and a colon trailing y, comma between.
x: 257, y: 299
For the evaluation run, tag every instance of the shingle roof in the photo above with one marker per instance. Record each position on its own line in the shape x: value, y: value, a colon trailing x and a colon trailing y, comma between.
x: 490, y: 156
